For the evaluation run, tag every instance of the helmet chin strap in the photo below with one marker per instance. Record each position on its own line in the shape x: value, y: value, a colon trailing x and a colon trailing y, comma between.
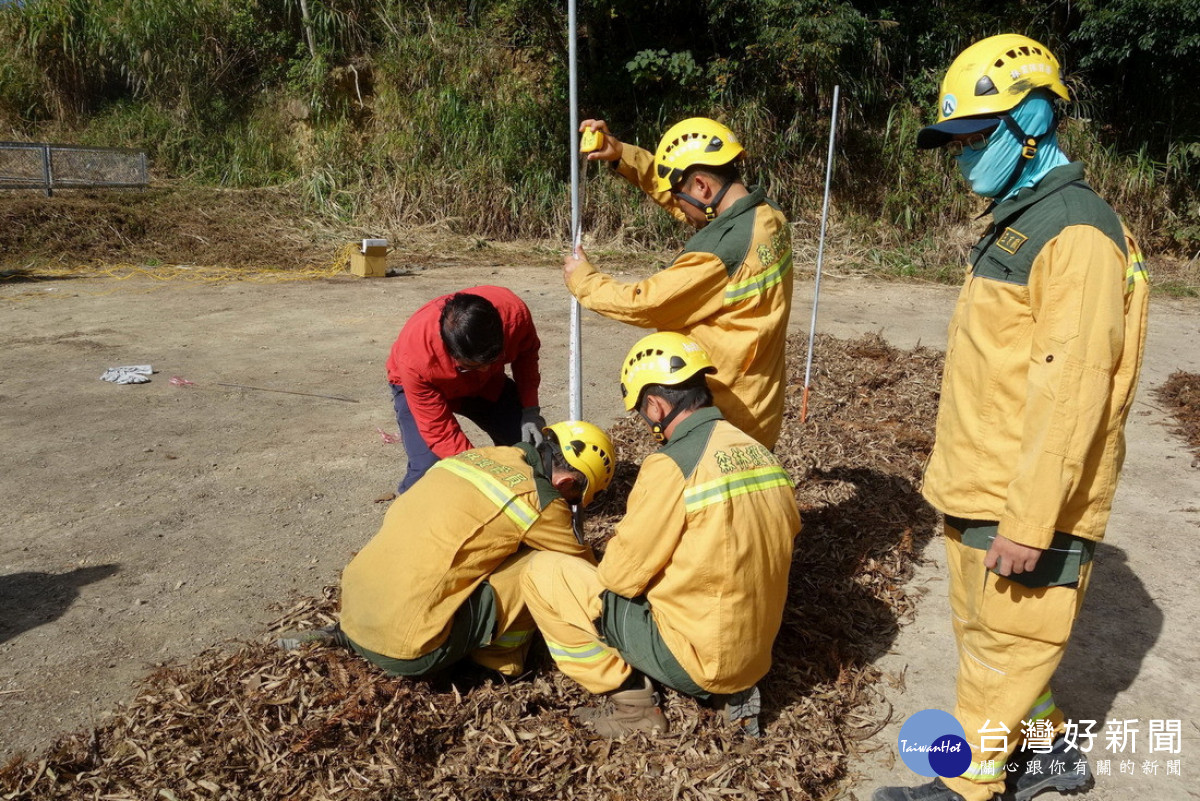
x: 709, y: 209
x: 546, y: 451
x: 1029, y: 149
x: 662, y: 425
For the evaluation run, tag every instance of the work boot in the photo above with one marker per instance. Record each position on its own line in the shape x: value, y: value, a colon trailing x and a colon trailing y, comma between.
x: 1064, y: 768
x: 329, y: 635
x: 741, y: 711
x: 934, y: 791
x: 626, y: 711
x: 586, y: 714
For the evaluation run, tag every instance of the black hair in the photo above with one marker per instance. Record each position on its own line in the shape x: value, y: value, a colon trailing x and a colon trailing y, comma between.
x: 559, y: 462
x: 725, y: 173
x: 685, y: 396
x: 471, y: 329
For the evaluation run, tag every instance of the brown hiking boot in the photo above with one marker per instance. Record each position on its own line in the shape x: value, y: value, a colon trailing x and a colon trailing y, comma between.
x: 626, y: 711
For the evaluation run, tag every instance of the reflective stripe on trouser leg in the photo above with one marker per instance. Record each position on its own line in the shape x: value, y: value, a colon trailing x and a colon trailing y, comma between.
x: 1044, y: 708
x: 514, y: 625
x: 1010, y: 641
x: 563, y: 593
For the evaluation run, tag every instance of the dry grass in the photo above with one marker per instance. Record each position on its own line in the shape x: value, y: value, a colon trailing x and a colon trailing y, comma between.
x: 244, y: 720
x: 160, y: 225
x: 1181, y: 394
x: 244, y: 231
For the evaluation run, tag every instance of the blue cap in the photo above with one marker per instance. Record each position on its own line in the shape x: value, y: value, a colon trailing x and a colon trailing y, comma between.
x: 937, y: 135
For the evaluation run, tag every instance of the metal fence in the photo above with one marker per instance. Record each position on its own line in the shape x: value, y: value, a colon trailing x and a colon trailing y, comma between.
x: 30, y: 165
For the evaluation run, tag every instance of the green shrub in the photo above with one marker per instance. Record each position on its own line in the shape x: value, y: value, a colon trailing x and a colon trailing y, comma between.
x: 401, y: 113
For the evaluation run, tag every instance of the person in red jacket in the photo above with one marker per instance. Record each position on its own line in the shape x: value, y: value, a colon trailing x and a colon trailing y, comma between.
x: 449, y: 359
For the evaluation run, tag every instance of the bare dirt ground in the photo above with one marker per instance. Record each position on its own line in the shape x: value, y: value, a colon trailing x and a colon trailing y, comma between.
x: 145, y: 523
x: 1133, y: 654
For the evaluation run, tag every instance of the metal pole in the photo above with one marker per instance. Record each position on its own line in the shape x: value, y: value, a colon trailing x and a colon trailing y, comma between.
x: 575, y: 372
x: 47, y: 171
x: 812, y: 331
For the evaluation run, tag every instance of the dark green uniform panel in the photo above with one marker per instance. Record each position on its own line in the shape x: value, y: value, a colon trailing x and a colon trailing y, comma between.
x: 1023, y: 226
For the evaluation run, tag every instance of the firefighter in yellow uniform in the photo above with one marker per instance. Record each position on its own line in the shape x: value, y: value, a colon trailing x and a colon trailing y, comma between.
x: 692, y: 586
x: 731, y: 287
x: 441, y: 579
x: 1044, y: 351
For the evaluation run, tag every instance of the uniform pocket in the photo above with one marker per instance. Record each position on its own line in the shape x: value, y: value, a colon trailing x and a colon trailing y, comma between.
x: 1045, y: 614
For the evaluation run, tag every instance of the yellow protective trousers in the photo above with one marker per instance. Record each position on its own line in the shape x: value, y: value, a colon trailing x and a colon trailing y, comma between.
x: 563, y: 594
x: 514, y: 625
x: 1010, y: 640
x: 492, y: 627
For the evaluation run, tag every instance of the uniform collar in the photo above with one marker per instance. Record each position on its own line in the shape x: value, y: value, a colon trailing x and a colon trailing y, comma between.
x: 707, y: 414
x: 547, y: 494
x: 757, y: 195
x: 1054, y: 180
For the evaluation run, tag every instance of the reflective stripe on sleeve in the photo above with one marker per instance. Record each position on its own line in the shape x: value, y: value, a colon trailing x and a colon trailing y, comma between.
x: 495, y: 490
x: 734, y: 484
x: 1135, y: 268
x: 761, y: 282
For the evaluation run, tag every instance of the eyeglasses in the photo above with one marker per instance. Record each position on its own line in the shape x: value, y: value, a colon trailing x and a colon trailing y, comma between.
x: 976, y: 141
x: 471, y: 367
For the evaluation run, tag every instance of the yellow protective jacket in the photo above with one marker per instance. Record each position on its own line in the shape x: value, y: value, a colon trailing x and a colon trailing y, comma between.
x: 442, y: 538
x: 708, y: 540
x: 730, y: 290
x: 1044, y: 351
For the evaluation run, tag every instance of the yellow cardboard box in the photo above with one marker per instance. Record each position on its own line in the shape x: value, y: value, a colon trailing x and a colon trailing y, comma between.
x: 370, y: 260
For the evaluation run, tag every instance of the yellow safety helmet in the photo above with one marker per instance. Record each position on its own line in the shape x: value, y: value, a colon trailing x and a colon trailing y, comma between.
x: 695, y: 141
x: 664, y: 358
x: 587, y: 449
x: 986, y: 81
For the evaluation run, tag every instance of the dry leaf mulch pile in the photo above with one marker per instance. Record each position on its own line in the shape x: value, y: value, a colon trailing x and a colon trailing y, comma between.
x: 247, y: 721
x: 1181, y: 394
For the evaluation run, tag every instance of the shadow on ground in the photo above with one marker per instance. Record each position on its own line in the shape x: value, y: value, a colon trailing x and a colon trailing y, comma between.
x: 1117, y: 627
x: 32, y: 599
x: 844, y: 606
x: 26, y: 275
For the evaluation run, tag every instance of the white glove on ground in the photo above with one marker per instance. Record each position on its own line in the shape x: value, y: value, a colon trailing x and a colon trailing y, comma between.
x: 133, y: 374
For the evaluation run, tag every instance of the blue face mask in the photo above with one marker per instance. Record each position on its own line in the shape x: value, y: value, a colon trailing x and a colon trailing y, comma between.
x: 988, y: 170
